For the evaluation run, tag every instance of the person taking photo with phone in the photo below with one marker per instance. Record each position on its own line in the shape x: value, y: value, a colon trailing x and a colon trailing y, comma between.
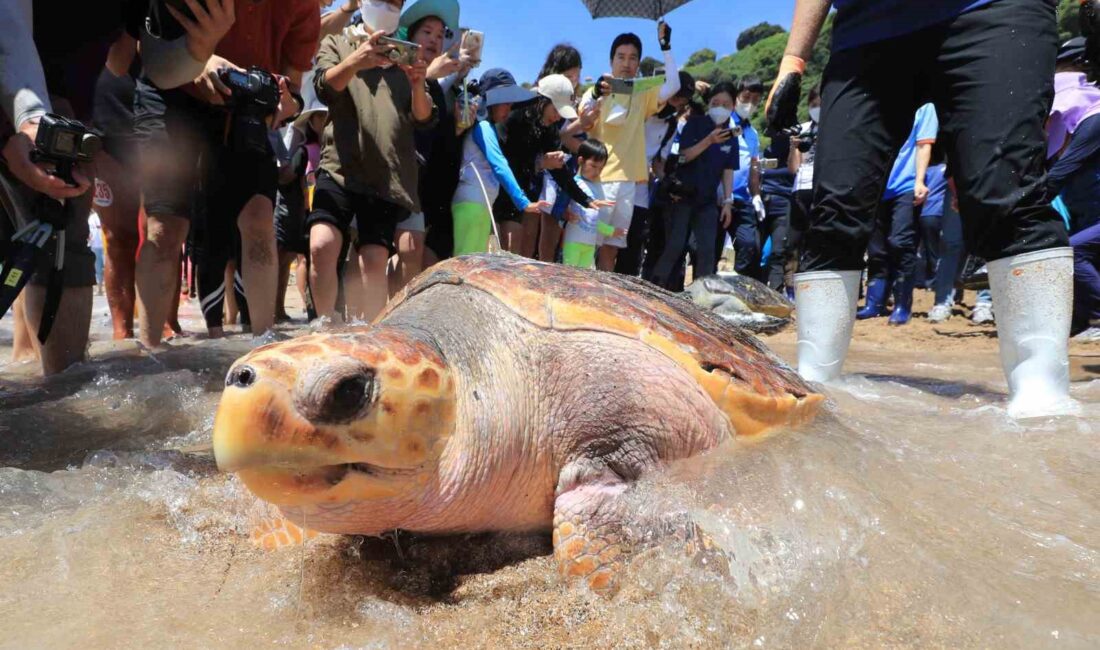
x: 369, y: 172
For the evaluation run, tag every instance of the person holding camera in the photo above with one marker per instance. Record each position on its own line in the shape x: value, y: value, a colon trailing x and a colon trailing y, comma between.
x: 621, y: 127
x: 800, y: 162
x: 971, y: 59
x: 48, y: 68
x: 213, y: 134
x: 707, y: 158
x: 378, y: 96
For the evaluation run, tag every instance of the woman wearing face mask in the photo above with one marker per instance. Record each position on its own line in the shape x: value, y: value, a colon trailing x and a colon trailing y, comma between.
x: 369, y: 173
x: 708, y: 156
x: 801, y: 164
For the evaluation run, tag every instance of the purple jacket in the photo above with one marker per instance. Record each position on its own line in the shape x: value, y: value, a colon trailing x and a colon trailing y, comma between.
x: 1074, y: 100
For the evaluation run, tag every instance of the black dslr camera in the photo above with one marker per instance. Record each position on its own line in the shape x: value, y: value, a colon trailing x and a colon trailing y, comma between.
x: 806, y: 141
x: 255, y: 98
x: 63, y: 143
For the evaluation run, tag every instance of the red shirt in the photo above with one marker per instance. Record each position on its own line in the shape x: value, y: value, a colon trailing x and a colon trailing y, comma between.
x: 274, y: 35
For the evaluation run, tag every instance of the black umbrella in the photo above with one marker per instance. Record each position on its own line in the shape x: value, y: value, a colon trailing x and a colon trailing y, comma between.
x: 652, y: 9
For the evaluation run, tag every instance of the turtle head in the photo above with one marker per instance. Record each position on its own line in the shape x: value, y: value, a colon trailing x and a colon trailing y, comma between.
x: 328, y: 419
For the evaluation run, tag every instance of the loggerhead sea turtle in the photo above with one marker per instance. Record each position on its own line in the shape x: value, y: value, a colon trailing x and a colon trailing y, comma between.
x: 743, y: 301
x: 498, y: 394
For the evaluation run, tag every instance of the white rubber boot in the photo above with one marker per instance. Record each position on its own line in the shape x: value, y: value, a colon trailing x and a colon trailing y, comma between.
x: 825, y: 307
x: 1033, y: 296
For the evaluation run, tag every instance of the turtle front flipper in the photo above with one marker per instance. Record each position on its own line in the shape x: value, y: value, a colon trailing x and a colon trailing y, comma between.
x: 598, y: 526
x: 279, y: 532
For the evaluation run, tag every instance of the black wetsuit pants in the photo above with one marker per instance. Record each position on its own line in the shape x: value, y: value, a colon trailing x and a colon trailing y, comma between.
x: 990, y: 74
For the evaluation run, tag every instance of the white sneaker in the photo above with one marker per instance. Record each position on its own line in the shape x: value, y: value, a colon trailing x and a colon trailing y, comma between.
x: 939, y: 314
x: 1091, y: 335
x: 983, y: 314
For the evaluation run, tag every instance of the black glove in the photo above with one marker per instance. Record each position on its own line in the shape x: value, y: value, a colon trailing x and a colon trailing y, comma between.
x: 664, y: 39
x: 782, y: 109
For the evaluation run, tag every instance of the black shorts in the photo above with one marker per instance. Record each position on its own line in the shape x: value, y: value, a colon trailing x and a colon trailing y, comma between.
x: 375, y: 218
x: 290, y: 219
x: 183, y: 147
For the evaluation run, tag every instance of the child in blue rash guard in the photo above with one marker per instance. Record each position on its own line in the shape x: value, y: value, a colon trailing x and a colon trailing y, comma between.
x: 589, y: 226
x: 484, y: 169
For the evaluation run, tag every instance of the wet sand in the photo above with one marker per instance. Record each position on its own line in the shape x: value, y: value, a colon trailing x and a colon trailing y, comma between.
x: 912, y: 514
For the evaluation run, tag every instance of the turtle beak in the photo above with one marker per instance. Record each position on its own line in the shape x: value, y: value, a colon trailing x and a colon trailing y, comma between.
x: 256, y: 428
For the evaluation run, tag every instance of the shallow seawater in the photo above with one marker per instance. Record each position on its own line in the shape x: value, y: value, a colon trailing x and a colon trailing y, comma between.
x: 914, y: 514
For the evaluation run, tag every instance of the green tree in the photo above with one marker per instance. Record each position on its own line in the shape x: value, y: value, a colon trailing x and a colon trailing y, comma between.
x: 702, y: 56
x: 757, y: 33
x: 649, y: 65
x: 1069, y: 24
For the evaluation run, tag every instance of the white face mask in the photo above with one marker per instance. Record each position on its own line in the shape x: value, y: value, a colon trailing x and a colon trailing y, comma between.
x: 815, y: 113
x: 720, y: 114
x: 380, y: 16
x: 745, y: 110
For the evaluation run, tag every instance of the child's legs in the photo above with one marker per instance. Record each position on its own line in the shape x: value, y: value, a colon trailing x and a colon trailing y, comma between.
x: 579, y: 255
x: 472, y: 228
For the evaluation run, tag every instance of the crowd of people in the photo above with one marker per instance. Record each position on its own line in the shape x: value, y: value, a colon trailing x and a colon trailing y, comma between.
x: 359, y: 143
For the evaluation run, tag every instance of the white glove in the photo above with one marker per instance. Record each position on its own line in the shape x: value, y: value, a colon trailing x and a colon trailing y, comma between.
x: 758, y: 205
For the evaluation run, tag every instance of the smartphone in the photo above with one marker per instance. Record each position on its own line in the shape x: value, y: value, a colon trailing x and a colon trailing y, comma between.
x: 402, y: 52
x: 473, y: 43
x: 770, y: 163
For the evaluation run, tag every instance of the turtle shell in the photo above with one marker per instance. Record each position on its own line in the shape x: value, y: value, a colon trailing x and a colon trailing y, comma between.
x: 755, y: 389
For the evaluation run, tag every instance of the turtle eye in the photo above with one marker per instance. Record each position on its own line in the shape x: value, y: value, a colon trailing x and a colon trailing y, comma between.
x: 335, y: 393
x: 348, y: 397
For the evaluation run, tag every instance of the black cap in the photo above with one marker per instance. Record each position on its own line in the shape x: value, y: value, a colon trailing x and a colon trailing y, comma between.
x: 1072, y: 50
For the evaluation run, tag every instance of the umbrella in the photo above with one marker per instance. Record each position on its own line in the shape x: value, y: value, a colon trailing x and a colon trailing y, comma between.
x: 652, y: 9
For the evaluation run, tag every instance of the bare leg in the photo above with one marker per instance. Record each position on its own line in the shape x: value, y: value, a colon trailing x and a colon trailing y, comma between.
x: 23, y: 345
x: 430, y: 258
x: 68, y: 340
x: 606, y: 258
x: 325, y: 241
x: 300, y: 277
x: 232, y: 309
x: 158, y: 263
x: 260, y: 272
x: 530, y: 237
x: 120, y: 230
x: 373, y: 263
x: 512, y: 233
x: 410, y: 257
x: 355, y: 292
x: 549, y: 238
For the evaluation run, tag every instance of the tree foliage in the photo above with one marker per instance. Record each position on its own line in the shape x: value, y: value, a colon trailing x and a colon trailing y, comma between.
x: 649, y: 65
x: 757, y: 33
x: 1069, y: 25
x: 703, y: 56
